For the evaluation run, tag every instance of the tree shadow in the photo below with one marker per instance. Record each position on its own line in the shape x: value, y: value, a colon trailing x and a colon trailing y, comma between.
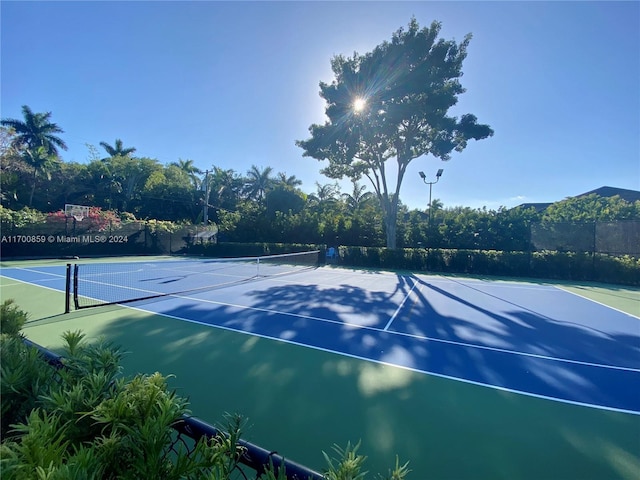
x: 302, y: 400
x: 441, y: 331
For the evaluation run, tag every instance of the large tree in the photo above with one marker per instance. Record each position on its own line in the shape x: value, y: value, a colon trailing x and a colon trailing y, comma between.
x: 35, y: 138
x: 392, y: 103
x: 129, y: 176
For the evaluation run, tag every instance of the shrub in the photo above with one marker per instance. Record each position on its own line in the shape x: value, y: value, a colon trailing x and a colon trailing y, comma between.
x: 12, y: 318
x: 25, y: 378
x: 89, y: 421
x: 20, y: 218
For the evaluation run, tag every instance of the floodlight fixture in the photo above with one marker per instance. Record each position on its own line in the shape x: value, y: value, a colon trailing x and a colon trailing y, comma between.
x: 431, y: 184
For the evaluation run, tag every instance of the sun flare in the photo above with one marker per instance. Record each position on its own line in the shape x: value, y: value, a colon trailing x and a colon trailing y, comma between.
x: 359, y: 104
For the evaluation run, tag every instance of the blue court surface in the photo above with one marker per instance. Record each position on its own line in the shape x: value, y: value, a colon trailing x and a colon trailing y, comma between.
x: 533, y: 339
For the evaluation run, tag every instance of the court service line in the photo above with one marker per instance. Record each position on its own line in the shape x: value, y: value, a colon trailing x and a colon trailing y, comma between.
x: 395, y: 314
x: 409, y: 335
x: 412, y: 369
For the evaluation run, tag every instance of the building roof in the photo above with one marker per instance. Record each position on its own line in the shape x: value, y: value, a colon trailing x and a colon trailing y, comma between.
x: 540, y: 207
x: 623, y: 193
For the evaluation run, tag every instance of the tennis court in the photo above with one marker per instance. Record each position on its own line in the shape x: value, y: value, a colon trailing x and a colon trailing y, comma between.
x: 441, y: 370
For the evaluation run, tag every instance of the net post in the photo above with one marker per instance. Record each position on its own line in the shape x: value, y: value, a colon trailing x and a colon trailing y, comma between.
x: 75, y: 286
x: 67, y: 290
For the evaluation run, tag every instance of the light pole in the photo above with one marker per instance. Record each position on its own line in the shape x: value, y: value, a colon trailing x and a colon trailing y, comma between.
x: 205, y: 207
x: 424, y: 179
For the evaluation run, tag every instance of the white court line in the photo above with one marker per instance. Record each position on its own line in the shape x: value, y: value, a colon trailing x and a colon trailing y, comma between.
x: 22, y: 282
x: 597, y: 302
x: 40, y: 272
x: 434, y: 278
x: 409, y: 335
x: 17, y: 282
x: 380, y: 362
x: 395, y: 314
x: 490, y: 284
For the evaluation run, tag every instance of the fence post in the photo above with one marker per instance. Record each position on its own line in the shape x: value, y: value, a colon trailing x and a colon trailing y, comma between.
x: 530, y: 250
x: 593, y: 253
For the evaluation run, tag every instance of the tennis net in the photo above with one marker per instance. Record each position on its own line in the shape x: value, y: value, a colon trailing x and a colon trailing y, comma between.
x: 98, y: 284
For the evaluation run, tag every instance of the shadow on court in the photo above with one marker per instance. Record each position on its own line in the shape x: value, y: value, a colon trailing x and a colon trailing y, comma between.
x: 301, y: 401
x: 523, y: 330
x: 441, y: 333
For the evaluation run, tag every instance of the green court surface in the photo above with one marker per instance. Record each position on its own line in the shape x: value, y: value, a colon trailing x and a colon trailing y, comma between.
x: 300, y: 401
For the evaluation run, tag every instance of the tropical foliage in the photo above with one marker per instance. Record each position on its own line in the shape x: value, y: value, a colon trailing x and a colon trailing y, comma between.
x: 35, y: 140
x: 259, y: 205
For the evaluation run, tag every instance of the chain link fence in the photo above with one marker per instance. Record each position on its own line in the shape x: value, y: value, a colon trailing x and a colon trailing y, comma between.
x: 611, y: 238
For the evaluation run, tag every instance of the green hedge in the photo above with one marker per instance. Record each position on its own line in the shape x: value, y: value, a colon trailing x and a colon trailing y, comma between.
x: 624, y: 270
x: 235, y: 250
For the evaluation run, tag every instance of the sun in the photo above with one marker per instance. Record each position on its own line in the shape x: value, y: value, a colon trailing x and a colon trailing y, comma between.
x: 359, y: 104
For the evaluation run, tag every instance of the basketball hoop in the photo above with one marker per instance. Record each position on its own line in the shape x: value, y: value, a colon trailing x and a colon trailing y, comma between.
x: 79, y: 212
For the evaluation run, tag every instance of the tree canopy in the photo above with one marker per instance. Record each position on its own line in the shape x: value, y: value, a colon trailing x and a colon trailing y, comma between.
x: 392, y: 103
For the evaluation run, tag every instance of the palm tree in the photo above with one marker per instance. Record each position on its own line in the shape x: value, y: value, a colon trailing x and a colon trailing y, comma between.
x: 225, y: 187
x: 291, y: 181
x: 118, y: 149
x: 42, y: 162
x: 436, y: 205
x: 36, y: 131
x: 258, y: 182
x: 190, y: 169
x: 35, y: 139
x: 358, y: 197
x: 327, y: 193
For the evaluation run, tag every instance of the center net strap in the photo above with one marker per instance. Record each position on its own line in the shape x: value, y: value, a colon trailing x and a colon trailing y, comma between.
x: 97, y: 284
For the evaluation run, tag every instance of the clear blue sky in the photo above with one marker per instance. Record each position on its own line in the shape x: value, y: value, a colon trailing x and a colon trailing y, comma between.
x: 234, y: 84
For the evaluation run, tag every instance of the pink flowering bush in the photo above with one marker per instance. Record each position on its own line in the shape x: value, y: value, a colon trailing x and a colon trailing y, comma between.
x: 97, y: 220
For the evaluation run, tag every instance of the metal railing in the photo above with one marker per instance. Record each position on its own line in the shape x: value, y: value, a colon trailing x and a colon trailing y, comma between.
x: 255, y: 460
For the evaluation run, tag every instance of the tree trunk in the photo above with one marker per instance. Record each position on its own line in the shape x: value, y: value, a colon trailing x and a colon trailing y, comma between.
x: 33, y: 186
x: 390, y: 222
x: 391, y: 233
